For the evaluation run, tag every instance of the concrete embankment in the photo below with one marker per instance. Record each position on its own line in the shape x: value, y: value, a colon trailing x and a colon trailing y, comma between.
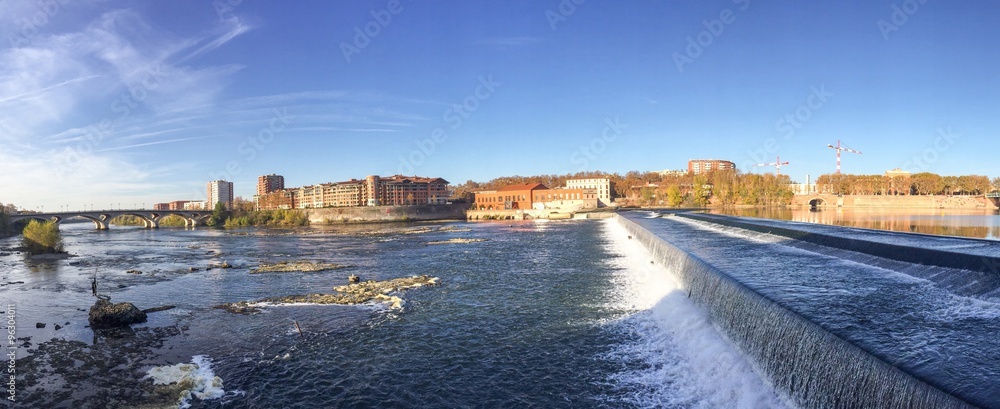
x: 535, y: 214
x: 387, y: 213
x: 814, y: 367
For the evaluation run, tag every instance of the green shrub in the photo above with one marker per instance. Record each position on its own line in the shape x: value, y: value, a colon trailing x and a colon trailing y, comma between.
x: 280, y: 217
x: 42, y: 237
x: 127, y: 220
x: 172, y: 220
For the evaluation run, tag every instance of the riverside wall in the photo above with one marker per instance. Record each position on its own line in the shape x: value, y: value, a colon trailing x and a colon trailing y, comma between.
x: 877, y: 201
x: 369, y: 214
x: 535, y: 214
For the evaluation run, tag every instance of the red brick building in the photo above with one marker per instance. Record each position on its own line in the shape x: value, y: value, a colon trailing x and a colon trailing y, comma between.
x: 702, y: 166
x: 534, y: 196
x: 397, y: 190
x: 270, y: 183
x: 509, y: 197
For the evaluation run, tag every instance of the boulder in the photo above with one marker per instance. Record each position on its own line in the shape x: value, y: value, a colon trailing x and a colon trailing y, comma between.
x: 104, y: 314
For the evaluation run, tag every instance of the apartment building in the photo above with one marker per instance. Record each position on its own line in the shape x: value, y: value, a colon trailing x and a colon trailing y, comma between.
x: 601, y: 185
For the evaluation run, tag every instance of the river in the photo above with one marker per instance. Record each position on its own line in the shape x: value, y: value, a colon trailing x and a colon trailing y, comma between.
x: 540, y: 314
x: 543, y: 314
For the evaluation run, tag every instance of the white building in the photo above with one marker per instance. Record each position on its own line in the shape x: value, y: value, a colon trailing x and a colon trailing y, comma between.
x: 601, y: 185
x: 670, y: 172
x: 219, y: 191
x: 194, y: 206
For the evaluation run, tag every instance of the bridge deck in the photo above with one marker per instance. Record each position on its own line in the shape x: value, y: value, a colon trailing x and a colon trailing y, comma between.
x: 102, y: 218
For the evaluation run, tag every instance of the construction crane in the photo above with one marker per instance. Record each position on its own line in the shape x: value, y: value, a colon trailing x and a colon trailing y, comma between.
x: 840, y: 148
x: 777, y: 166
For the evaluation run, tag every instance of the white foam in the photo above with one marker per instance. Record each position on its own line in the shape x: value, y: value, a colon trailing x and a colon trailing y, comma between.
x: 679, y: 358
x: 205, y: 385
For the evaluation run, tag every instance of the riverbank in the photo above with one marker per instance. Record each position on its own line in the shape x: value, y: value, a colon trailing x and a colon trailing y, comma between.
x: 382, y: 214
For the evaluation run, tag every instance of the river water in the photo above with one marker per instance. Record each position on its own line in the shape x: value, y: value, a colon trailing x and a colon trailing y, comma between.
x: 543, y: 314
x: 981, y: 224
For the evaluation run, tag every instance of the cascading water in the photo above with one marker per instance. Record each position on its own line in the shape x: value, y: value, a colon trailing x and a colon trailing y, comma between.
x: 815, y: 367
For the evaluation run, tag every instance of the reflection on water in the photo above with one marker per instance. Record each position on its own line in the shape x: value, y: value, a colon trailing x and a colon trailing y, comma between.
x: 965, y: 223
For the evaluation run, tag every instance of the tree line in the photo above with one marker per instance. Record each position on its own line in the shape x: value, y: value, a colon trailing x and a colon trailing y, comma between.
x: 6, y: 229
x: 724, y: 187
x: 731, y: 187
x: 924, y: 183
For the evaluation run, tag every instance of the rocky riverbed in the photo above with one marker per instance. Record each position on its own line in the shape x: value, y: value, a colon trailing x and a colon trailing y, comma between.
x: 351, y: 294
x: 295, y: 266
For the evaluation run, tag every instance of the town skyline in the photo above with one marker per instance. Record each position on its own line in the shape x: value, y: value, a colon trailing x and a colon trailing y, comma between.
x: 140, y: 102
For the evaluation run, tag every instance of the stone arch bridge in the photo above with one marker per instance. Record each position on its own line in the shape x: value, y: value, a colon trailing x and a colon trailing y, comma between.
x: 102, y: 218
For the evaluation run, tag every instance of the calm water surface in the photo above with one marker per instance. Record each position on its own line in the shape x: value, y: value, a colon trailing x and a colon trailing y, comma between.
x: 983, y: 224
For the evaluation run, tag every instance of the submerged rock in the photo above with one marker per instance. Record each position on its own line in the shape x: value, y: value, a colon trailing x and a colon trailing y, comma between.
x: 242, y: 308
x: 158, y: 309
x: 351, y: 294
x: 104, y: 314
x: 295, y: 266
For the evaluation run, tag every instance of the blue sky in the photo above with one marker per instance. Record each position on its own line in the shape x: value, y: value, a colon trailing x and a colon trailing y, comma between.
x: 108, y: 102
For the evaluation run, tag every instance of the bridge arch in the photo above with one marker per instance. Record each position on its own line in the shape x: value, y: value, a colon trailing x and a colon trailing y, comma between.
x: 149, y: 221
x: 99, y: 224
x: 817, y: 202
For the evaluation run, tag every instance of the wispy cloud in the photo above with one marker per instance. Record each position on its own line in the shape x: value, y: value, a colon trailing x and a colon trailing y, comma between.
x: 136, y: 145
x: 38, y: 92
x: 236, y: 27
x: 335, y: 129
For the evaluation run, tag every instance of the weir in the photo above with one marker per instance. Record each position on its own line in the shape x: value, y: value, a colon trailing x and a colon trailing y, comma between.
x: 814, y: 367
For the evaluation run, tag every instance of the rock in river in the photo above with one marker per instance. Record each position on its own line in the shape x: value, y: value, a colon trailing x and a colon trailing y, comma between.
x: 104, y: 314
x: 356, y: 293
x: 295, y: 266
